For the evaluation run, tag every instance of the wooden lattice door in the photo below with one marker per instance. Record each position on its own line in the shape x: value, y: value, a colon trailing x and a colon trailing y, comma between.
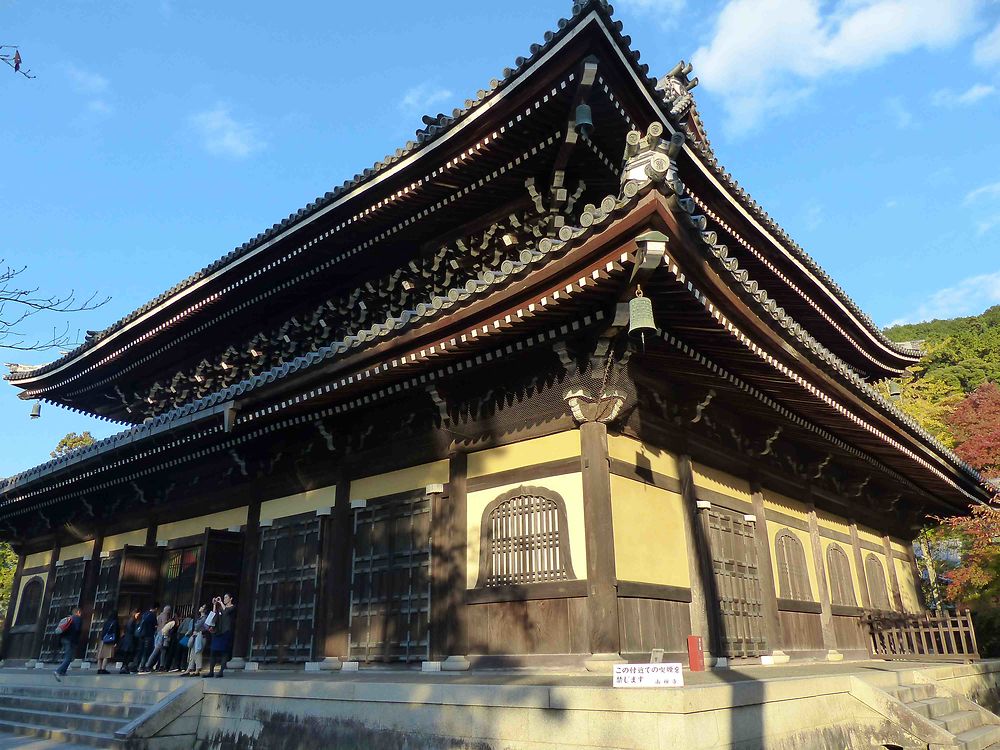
x: 390, y: 581
x: 285, y: 602
x: 105, y: 601
x: 737, y: 583
x: 67, y: 587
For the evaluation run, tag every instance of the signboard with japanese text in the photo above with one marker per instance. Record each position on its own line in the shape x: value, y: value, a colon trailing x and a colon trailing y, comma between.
x: 648, y: 675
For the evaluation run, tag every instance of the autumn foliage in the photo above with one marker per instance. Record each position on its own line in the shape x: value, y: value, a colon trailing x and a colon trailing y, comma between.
x: 975, y: 423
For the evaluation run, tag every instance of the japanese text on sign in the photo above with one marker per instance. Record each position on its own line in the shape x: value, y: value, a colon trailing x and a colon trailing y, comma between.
x: 648, y: 675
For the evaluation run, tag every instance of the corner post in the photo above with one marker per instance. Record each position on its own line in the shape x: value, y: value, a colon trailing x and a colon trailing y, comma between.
x: 602, y: 588
x: 335, y: 561
x: 772, y: 621
x: 703, y: 601
x: 449, y: 631
x: 826, y: 611
x: 890, y: 563
x: 43, y: 614
x: 859, y: 564
x: 248, y: 582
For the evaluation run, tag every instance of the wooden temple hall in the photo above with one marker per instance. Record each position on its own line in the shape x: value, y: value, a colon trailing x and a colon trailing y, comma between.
x: 543, y: 386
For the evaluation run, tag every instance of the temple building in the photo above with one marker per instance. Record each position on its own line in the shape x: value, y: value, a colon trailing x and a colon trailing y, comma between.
x: 544, y: 386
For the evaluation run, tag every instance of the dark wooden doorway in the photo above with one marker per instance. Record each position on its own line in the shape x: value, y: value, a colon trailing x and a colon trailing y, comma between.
x: 390, y: 580
x: 285, y: 601
x: 219, y: 566
x: 737, y: 583
x: 105, y: 601
x: 67, y: 586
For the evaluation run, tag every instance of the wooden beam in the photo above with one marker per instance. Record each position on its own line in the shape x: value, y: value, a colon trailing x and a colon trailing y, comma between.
x: 897, y: 598
x: 248, y: 584
x: 769, y: 597
x: 826, y: 612
x: 704, y: 601
x: 335, y: 561
x: 602, y: 596
x: 859, y: 564
x: 43, y: 613
x: 88, y: 591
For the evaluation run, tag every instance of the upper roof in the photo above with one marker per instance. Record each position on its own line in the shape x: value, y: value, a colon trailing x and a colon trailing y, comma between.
x: 98, y: 356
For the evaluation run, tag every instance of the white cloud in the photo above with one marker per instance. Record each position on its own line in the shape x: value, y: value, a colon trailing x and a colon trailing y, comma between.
x: 99, y: 107
x: 765, y: 55
x: 419, y: 99
x: 969, y: 296
x: 991, y: 190
x: 222, y: 135
x: 987, y: 49
x: 86, y: 81
x: 949, y: 98
x: 666, y: 12
x: 901, y: 116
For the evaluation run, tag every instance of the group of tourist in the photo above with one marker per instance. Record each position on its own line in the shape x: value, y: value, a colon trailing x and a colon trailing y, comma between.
x: 159, y: 640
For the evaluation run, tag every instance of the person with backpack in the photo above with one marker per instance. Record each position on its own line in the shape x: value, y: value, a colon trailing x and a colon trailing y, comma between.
x: 157, y: 661
x: 109, y: 640
x: 222, y: 617
x: 69, y: 635
x: 129, y: 640
x: 196, y: 646
x: 146, y: 632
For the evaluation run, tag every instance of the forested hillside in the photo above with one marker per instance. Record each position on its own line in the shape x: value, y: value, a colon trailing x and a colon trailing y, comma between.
x: 954, y: 390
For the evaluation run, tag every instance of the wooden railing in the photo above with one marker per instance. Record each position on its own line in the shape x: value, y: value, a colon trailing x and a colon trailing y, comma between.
x: 931, y: 636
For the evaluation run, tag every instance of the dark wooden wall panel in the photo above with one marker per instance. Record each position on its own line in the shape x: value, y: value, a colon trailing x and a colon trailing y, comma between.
x: 538, y: 626
x: 653, y: 623
x: 848, y: 633
x: 801, y: 631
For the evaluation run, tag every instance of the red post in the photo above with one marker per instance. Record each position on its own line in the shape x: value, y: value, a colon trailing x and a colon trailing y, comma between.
x: 696, y: 656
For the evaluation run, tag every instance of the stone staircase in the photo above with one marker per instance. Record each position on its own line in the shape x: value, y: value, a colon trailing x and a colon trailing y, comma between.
x: 82, y: 710
x: 973, y: 727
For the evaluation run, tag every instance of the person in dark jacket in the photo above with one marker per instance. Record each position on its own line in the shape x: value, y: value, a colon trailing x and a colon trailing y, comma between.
x: 222, y: 633
x: 109, y: 640
x: 146, y: 631
x: 127, y: 644
x: 70, y: 638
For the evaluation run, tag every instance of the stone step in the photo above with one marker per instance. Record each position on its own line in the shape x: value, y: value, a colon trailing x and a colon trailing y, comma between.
x: 934, y: 708
x: 979, y: 738
x: 83, y: 693
x: 60, y: 720
x: 90, y: 739
x: 960, y: 721
x: 912, y: 693
x: 34, y: 703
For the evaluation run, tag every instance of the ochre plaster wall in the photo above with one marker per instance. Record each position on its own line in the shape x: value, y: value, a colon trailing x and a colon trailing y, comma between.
x: 908, y: 586
x: 403, y: 480
x: 650, y: 545
x: 849, y: 553
x: 37, y: 559
x: 525, y: 453
x: 634, y: 452
x: 721, y: 482
x: 568, y: 486
x: 191, y: 526
x: 304, y: 502
x: 118, y: 541
x: 76, y: 551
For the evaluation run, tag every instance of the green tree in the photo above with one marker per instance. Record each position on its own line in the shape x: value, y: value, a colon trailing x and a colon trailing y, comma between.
x: 8, y: 564
x: 70, y: 442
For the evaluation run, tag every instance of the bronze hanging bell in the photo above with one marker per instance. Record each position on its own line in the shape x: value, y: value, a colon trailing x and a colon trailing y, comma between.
x: 640, y: 316
x: 36, y: 410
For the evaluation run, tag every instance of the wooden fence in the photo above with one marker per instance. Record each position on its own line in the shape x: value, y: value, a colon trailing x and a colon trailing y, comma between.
x: 931, y: 636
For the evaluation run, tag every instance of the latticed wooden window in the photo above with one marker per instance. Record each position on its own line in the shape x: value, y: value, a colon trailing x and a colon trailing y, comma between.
x: 524, y: 539
x: 839, y: 569
x: 793, y: 576
x: 31, y: 602
x: 876, y: 583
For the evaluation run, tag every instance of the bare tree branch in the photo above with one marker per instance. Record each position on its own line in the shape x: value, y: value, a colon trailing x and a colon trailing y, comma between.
x: 18, y: 304
x: 13, y: 59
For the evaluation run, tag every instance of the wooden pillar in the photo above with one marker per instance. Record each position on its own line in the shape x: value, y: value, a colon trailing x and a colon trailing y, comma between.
x: 918, y: 581
x: 859, y: 564
x: 826, y: 610
x: 88, y: 592
x: 769, y: 595
x: 602, y: 590
x: 15, y: 593
x: 335, y: 559
x: 248, y: 582
x: 890, y: 563
x: 151, y: 534
x: 43, y: 615
x: 449, y: 633
x: 704, y: 602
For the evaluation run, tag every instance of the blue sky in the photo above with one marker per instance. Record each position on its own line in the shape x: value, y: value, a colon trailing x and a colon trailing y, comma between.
x: 158, y: 135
